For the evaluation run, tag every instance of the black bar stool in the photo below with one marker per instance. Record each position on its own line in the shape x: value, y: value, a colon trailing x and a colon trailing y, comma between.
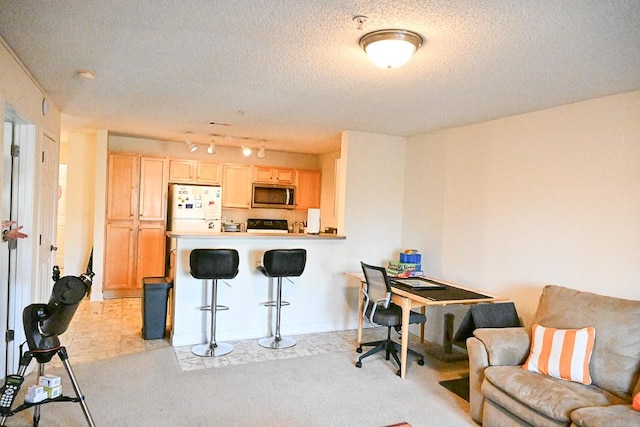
x: 281, y: 263
x: 213, y: 264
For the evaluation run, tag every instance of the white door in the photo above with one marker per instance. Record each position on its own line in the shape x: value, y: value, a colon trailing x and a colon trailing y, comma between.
x: 47, y: 215
x: 12, y: 294
x: 4, y: 249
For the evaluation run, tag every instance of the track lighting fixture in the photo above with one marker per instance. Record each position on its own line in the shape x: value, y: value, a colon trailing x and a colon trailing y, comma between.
x: 246, y: 150
x: 190, y: 145
x: 261, y: 152
x: 211, y: 149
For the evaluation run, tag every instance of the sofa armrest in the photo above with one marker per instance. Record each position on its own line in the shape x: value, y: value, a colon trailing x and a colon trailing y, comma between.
x: 505, y: 346
x: 478, y: 361
x: 492, y: 346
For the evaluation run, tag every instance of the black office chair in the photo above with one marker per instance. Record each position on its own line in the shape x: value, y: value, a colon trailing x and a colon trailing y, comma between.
x: 380, y: 311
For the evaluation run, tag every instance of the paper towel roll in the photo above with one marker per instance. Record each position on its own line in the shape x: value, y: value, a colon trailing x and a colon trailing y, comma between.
x: 313, y: 221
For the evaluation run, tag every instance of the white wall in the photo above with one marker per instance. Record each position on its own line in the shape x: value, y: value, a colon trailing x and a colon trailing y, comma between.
x: 374, y: 167
x: 81, y: 175
x: 549, y: 197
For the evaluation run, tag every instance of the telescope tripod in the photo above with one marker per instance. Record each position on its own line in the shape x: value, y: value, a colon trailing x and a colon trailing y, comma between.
x: 43, y: 357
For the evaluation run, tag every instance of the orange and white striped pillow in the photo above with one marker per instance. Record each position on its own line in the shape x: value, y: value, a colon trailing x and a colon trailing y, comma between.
x: 561, y: 353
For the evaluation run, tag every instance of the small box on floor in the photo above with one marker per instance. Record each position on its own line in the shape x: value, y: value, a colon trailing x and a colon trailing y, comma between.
x: 49, y: 381
x: 53, y: 392
x: 35, y: 394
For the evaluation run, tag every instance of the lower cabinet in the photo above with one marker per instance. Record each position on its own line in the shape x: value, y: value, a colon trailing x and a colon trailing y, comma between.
x: 139, y: 252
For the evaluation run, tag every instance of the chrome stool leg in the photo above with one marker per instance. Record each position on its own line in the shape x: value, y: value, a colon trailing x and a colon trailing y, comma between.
x: 277, y: 341
x: 213, y: 348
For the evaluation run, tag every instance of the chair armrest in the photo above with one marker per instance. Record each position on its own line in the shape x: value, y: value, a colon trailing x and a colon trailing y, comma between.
x: 492, y: 346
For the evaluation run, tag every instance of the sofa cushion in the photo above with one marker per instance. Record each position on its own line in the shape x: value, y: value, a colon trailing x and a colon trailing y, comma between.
x: 615, y: 363
x: 553, y: 398
x: 561, y: 353
x: 616, y: 415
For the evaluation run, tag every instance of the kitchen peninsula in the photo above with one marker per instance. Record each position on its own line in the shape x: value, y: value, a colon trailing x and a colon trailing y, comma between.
x: 315, y: 304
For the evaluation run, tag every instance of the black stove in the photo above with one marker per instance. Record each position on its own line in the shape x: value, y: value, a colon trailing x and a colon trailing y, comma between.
x: 278, y: 226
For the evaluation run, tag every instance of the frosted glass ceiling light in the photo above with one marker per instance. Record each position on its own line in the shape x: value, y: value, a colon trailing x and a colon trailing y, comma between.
x: 246, y: 150
x: 261, y: 152
x: 390, y: 48
x: 211, y: 149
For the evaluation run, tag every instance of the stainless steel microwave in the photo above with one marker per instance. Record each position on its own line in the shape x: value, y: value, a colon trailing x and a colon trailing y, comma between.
x: 273, y: 196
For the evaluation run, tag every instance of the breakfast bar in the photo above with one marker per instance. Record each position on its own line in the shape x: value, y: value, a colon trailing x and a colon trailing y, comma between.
x: 316, y: 303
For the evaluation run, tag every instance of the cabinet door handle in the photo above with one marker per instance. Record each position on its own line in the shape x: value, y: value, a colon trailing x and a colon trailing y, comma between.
x: 54, y: 248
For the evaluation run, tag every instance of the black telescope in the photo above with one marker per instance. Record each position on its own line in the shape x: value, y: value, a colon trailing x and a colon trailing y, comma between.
x: 44, y: 322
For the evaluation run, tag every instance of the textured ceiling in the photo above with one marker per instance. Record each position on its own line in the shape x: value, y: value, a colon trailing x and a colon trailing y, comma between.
x: 292, y: 73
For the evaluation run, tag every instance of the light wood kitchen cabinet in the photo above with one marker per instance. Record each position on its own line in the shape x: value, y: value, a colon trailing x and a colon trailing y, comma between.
x: 122, y: 202
x: 194, y: 172
x: 183, y: 171
x: 120, y: 258
x: 308, y: 186
x: 136, y: 223
x: 153, y: 189
x: 208, y: 173
x: 236, y: 186
x: 273, y: 175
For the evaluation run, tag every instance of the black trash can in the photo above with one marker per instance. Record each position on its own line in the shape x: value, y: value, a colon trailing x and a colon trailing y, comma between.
x: 155, y: 294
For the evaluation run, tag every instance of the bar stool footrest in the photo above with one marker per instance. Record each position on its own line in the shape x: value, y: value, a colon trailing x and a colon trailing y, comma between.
x: 218, y: 308
x: 275, y: 304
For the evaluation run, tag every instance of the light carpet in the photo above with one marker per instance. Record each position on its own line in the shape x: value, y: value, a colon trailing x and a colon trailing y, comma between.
x: 151, y: 389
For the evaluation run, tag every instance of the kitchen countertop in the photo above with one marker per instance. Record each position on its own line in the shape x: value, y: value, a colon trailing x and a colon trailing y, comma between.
x: 234, y: 235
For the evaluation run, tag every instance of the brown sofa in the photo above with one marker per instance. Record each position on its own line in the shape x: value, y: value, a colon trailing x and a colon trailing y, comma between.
x: 503, y: 394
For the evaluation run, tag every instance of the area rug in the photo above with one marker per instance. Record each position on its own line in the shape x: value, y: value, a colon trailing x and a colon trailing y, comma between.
x: 459, y: 386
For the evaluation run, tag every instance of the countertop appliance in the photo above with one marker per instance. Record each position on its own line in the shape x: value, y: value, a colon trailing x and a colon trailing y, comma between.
x: 273, y: 196
x: 195, y: 207
x: 274, y: 226
x: 231, y: 227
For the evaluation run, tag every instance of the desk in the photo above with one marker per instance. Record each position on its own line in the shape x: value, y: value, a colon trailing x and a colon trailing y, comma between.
x: 408, y: 298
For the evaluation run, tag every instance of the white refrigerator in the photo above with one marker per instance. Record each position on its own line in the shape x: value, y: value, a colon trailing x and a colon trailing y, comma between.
x: 195, y: 208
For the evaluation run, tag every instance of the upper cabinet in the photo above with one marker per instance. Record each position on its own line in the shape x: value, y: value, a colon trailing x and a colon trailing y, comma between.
x: 153, y: 189
x: 194, y: 172
x: 308, y: 185
x: 122, y: 196
x: 208, y: 173
x: 236, y: 186
x: 273, y: 175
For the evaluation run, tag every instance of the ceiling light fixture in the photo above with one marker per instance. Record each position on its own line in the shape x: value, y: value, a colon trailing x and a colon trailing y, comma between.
x: 211, y: 149
x: 190, y: 145
x: 246, y: 150
x: 86, y: 75
x: 261, y: 152
x: 390, y: 48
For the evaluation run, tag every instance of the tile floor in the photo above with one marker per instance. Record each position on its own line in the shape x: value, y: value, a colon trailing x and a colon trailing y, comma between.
x: 112, y: 328
x: 105, y: 329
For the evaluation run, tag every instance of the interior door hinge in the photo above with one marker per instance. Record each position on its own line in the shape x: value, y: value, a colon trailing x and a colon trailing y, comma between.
x: 15, y: 150
x: 9, y: 335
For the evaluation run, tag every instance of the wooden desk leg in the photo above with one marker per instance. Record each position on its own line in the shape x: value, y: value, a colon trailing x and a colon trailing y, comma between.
x: 360, y: 314
x: 423, y: 310
x: 406, y: 312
